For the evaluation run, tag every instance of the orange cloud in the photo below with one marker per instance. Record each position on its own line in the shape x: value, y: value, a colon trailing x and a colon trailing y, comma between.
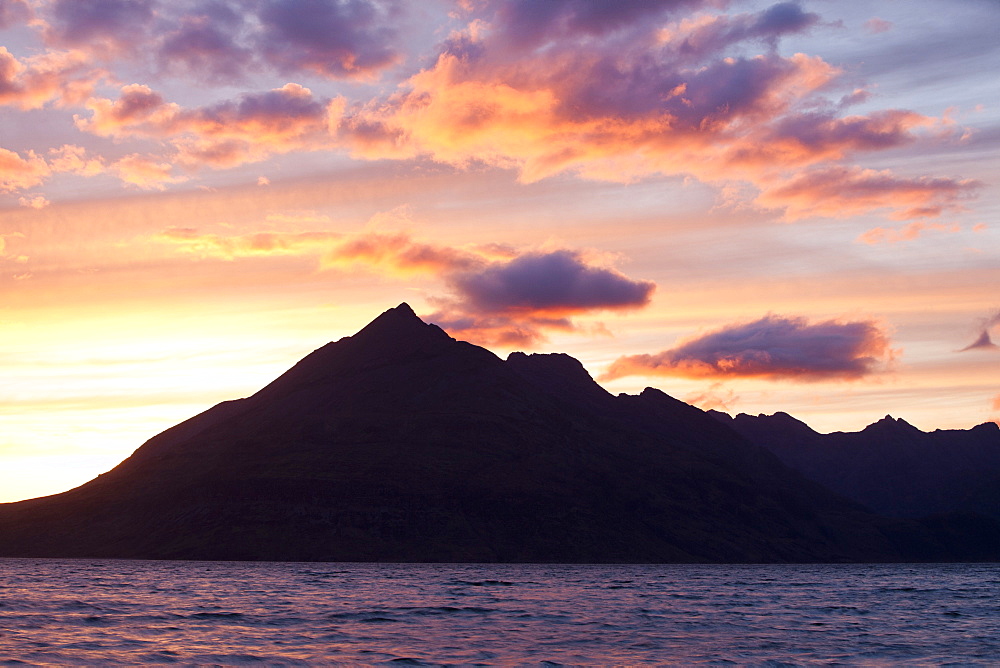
x: 398, y: 253
x: 683, y: 109
x: 33, y: 202
x: 773, y: 347
x: 3, y: 242
x: 65, y: 76
x: 74, y: 159
x: 145, y: 172
x: 21, y: 173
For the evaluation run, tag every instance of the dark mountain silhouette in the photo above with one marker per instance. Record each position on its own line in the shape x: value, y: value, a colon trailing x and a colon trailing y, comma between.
x: 402, y: 444
x: 890, y: 466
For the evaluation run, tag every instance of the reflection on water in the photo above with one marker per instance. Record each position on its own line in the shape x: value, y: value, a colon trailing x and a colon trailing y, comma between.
x: 99, y: 612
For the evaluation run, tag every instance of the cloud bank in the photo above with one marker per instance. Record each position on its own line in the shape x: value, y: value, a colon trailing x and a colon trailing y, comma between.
x: 611, y: 91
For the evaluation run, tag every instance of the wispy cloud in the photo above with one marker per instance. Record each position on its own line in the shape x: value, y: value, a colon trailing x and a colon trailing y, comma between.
x: 840, y: 192
x: 247, y: 245
x: 715, y: 397
x: 875, y: 25
x: 908, y: 232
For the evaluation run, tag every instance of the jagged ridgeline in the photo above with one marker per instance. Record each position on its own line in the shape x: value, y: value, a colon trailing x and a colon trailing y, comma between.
x: 402, y: 444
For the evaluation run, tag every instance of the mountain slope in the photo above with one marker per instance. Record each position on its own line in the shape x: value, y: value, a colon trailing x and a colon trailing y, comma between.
x: 401, y: 444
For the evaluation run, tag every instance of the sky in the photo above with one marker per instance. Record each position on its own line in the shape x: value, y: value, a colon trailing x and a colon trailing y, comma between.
x: 752, y: 206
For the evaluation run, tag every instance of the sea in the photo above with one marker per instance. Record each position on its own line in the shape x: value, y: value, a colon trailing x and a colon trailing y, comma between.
x: 106, y: 612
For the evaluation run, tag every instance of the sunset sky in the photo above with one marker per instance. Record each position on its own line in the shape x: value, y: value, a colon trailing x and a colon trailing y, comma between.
x: 755, y: 207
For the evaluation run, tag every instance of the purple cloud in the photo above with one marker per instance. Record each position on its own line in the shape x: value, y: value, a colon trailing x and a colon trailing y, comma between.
x: 556, y: 282
x: 773, y: 347
x: 285, y: 107
x: 528, y: 23
x: 514, y: 302
x: 767, y: 26
x: 984, y: 341
x: 13, y: 12
x: 337, y: 39
x: 118, y: 24
x: 206, y: 43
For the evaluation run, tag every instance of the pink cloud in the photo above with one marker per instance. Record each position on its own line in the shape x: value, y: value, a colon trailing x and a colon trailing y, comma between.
x: 840, y: 192
x: 249, y: 129
x: 716, y: 397
x: 875, y: 25
x: 139, y: 110
x: 774, y: 348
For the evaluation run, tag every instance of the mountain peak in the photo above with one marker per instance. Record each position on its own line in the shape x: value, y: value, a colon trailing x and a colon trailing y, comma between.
x: 399, y: 327
x: 399, y: 317
x: 890, y: 423
x: 395, y: 335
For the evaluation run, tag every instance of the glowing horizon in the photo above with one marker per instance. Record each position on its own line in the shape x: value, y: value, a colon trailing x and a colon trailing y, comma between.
x: 753, y: 206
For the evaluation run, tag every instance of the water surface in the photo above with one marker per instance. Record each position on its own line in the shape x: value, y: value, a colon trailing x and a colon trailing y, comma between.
x: 107, y: 611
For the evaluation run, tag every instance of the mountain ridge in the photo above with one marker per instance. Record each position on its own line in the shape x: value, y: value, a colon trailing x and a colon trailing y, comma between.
x: 890, y: 466
x: 400, y: 443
